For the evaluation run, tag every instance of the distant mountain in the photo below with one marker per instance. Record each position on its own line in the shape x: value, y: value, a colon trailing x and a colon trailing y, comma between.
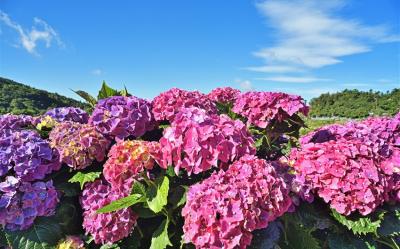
x: 356, y: 104
x: 18, y: 98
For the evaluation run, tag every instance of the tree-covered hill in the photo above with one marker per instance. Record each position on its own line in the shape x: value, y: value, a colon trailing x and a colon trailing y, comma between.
x: 356, y: 104
x: 22, y: 99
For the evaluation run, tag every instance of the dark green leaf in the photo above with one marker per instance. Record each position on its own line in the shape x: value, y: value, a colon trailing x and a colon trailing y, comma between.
x: 170, y: 171
x: 121, y: 203
x: 362, y: 225
x: 143, y: 212
x: 160, y: 239
x: 106, y: 92
x: 138, y: 188
x: 86, y: 96
x: 390, y: 225
x: 178, y: 196
x: 348, y: 241
x: 297, y: 236
x: 83, y: 178
x: 157, y: 198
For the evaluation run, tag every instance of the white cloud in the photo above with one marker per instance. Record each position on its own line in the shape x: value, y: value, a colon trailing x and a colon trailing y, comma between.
x: 29, y: 39
x: 291, y: 79
x: 96, y: 72
x: 273, y: 69
x: 245, y: 85
x: 310, y: 34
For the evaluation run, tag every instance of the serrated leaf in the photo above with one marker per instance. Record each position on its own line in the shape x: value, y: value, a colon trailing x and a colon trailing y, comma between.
x: 138, y: 188
x: 110, y: 246
x: 43, y: 234
x: 170, y: 171
x: 298, y: 237
x: 311, y: 217
x: 121, y: 203
x: 160, y: 239
x: 83, y: 178
x: 157, y: 198
x: 87, y: 97
x: 362, y: 225
x: 390, y: 225
x: 346, y: 241
x: 106, y: 91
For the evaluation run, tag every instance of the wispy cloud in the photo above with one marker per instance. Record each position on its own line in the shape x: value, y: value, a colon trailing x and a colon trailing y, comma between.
x: 245, y: 85
x: 96, y: 72
x: 29, y: 39
x: 310, y: 34
x: 291, y: 79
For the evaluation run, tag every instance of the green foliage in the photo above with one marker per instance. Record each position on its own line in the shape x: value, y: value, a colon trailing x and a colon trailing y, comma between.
x: 297, y: 236
x: 358, y: 226
x: 106, y: 91
x: 348, y: 241
x: 158, y: 195
x: 17, y: 98
x: 83, y: 178
x: 356, y: 104
x: 122, y: 203
x: 87, y: 97
x: 160, y: 239
x: 391, y: 224
x: 44, y: 234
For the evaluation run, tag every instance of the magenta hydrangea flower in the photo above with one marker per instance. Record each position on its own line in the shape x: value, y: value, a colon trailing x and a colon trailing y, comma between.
x: 21, y: 202
x: 74, y: 114
x: 15, y: 122
x: 78, y: 144
x: 223, y: 210
x: 223, y: 95
x: 120, y: 116
x: 105, y: 227
x: 169, y: 103
x: 197, y: 141
x: 126, y: 160
x: 261, y: 108
x: 28, y: 155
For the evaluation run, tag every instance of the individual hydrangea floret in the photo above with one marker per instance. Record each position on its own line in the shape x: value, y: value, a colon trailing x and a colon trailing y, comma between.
x: 28, y: 155
x: 223, y: 210
x: 15, y: 122
x: 197, y: 141
x: 78, y: 144
x: 121, y: 117
x: 71, y: 242
x: 21, y: 202
x: 74, y: 114
x: 105, y: 227
x: 224, y: 95
x: 126, y: 160
x: 262, y: 108
x: 169, y: 103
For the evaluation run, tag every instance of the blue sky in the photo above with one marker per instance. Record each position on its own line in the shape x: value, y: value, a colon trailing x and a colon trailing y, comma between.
x: 301, y: 47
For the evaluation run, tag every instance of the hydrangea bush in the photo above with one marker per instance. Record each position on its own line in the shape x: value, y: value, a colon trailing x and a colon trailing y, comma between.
x: 191, y: 170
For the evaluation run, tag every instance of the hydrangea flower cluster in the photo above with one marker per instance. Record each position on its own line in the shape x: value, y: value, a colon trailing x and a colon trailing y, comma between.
x: 78, y: 144
x: 354, y: 167
x: 105, y: 227
x: 261, y: 108
x: 74, y: 114
x: 71, y: 242
x: 21, y: 202
x: 224, y: 95
x: 15, y: 122
x: 169, y: 103
x: 197, y: 141
x: 223, y: 210
x: 126, y: 160
x: 27, y: 154
x: 121, y: 117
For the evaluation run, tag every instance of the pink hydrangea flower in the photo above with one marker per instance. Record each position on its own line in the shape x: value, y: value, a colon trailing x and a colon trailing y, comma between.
x: 223, y: 95
x: 78, y: 144
x: 167, y: 104
x: 106, y: 227
x: 223, y: 210
x: 261, y: 108
x: 197, y: 141
x: 126, y: 160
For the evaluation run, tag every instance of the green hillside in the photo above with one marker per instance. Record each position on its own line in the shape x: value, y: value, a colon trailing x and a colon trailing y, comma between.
x: 22, y: 99
x: 356, y: 104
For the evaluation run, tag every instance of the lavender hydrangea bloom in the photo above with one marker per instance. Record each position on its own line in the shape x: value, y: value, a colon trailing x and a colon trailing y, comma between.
x: 30, y: 157
x: 169, y: 103
x: 21, y: 202
x: 223, y: 210
x: 121, y: 117
x: 197, y: 141
x: 261, y: 108
x: 15, y: 122
x: 74, y: 114
x: 105, y: 227
x: 78, y: 144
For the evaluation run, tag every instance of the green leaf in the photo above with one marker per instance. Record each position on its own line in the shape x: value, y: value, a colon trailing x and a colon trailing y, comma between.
x: 83, y: 178
x: 298, y: 237
x: 178, y: 196
x: 348, y: 241
x: 362, y: 225
x: 143, y: 212
x: 110, y: 246
x: 124, y: 92
x: 138, y: 188
x: 86, y: 96
x: 170, y: 171
x: 106, y: 92
x: 43, y: 234
x: 390, y: 225
x: 160, y: 239
x: 121, y: 203
x: 157, y: 198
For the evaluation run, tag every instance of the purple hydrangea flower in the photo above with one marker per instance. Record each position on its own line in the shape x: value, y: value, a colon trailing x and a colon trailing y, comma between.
x: 15, y: 122
x: 121, y: 117
x: 224, y: 209
x: 74, y: 114
x: 21, y: 202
